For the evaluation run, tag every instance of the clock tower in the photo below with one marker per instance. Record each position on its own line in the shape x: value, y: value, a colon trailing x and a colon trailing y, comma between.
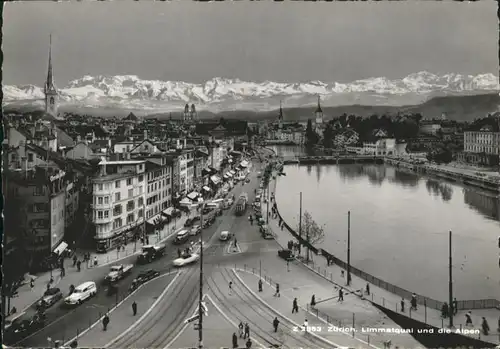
x: 50, y: 90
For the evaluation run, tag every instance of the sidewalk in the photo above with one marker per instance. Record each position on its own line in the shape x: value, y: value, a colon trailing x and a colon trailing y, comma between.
x: 122, y: 318
x: 27, y: 296
x: 389, y: 300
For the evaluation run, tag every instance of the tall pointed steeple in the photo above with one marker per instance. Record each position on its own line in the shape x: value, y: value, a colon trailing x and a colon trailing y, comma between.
x: 280, y: 117
x: 50, y: 91
x: 318, y: 109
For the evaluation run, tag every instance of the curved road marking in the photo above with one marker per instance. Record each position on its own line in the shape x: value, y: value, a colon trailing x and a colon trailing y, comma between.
x: 230, y: 321
x: 119, y: 304
x: 293, y: 322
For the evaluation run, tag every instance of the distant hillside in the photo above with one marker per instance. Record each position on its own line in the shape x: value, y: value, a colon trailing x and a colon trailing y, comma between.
x: 460, y: 108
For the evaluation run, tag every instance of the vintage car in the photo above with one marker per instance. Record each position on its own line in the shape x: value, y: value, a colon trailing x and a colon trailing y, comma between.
x: 186, y: 259
x: 49, y: 298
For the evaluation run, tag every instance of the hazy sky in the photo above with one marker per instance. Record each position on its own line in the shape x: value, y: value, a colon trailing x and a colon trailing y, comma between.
x: 256, y: 41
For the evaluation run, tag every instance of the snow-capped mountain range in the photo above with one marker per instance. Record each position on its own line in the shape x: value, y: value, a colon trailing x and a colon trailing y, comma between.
x: 129, y: 91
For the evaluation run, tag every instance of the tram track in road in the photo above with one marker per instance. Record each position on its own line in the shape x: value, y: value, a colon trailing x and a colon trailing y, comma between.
x: 263, y: 315
x: 167, y: 318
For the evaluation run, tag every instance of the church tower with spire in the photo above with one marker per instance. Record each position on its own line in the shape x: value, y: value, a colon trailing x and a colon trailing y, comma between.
x: 186, y: 113
x: 318, y: 117
x: 50, y: 90
x: 280, y: 118
x: 193, y: 114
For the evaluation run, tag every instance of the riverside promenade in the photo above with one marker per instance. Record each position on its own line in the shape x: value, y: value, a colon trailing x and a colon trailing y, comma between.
x: 26, y: 296
x: 386, y: 299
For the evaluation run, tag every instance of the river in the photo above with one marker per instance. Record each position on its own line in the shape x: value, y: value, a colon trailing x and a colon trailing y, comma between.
x: 399, y: 225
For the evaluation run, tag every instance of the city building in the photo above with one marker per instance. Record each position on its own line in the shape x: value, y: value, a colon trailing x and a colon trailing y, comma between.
x: 119, y: 193
x: 39, y: 196
x: 159, y: 186
x: 430, y: 127
x: 481, y: 147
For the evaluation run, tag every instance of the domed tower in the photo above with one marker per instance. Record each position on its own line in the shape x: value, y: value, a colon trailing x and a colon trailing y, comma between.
x: 194, y: 115
x: 50, y: 90
x: 186, y: 112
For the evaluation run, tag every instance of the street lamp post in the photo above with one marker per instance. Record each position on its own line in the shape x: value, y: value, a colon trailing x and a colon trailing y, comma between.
x: 450, y: 282
x: 348, y: 248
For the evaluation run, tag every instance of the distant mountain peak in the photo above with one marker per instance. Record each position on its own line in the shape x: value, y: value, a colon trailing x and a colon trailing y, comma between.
x: 130, y: 91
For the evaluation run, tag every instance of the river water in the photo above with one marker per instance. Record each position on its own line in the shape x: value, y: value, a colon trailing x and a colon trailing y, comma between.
x: 400, y: 224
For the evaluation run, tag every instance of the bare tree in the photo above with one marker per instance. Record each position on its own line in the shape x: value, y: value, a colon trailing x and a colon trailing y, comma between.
x: 314, y: 234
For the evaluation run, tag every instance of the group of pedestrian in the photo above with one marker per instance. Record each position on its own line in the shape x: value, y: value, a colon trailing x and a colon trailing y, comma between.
x: 293, y: 246
x: 447, y: 311
x: 277, y: 293
x: 244, y: 333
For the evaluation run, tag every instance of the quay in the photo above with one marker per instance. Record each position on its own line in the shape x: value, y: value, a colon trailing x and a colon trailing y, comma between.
x: 467, y: 177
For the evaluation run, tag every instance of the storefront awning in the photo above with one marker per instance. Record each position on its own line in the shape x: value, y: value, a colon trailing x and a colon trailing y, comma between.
x: 193, y: 195
x: 155, y: 218
x: 61, y: 248
x: 206, y: 188
x: 185, y: 202
x: 169, y: 211
x: 215, y: 179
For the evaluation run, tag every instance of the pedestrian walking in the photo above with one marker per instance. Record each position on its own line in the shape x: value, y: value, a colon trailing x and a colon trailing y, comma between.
x: 78, y: 265
x: 313, y: 301
x: 75, y: 259
x: 32, y: 284
x: 235, y: 341
x: 277, y: 293
x: 341, y: 295
x: 248, y: 344
x: 485, y: 326
x: 295, y: 306
x: 247, y: 331
x: 230, y: 287
x: 468, y: 319
x: 306, y: 325
x: 454, y: 306
x: 95, y: 261
x: 235, y: 243
x: 240, y: 329
x: 260, y: 285
x: 51, y: 281
x: 63, y: 272
x: 367, y: 289
x: 413, y: 301
x: 105, y: 322
x: 444, y: 310
x: 134, y: 308
x: 402, y: 305
x: 276, y: 322
x: 342, y: 274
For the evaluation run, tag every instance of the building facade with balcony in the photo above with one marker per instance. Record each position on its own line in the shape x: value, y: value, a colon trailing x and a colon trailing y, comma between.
x: 481, y: 148
x: 159, y: 186
x: 119, y: 193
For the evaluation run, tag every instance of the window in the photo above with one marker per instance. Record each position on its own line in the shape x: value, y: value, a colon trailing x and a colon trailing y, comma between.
x: 106, y: 214
x: 130, y: 205
x: 99, y: 214
x: 129, y: 181
x: 117, y: 223
x: 100, y: 186
x: 117, y: 184
x: 141, y: 213
x: 106, y: 200
x: 30, y: 157
x: 39, y: 191
x: 130, y: 218
x: 140, y: 167
x: 140, y: 202
x: 141, y: 178
x: 99, y: 200
x: 130, y: 193
x: 117, y: 210
x: 140, y: 190
x: 117, y: 197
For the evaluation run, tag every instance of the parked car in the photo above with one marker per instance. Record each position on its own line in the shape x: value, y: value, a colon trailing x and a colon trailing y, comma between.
x: 195, y: 230
x: 49, y: 298
x: 186, y: 259
x: 191, y: 221
x: 81, y: 293
x: 23, y: 326
x: 286, y: 254
x: 118, y: 272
